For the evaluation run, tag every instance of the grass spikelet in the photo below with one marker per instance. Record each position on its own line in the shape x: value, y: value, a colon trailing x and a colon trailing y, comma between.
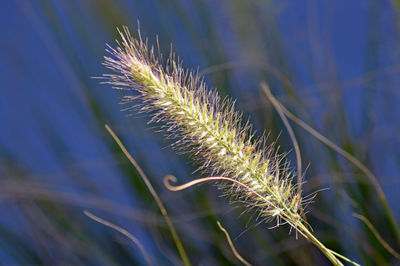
x: 205, y: 127
x: 211, y: 131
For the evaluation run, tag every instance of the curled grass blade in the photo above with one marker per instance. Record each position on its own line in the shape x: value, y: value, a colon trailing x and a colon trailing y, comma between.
x: 299, y: 226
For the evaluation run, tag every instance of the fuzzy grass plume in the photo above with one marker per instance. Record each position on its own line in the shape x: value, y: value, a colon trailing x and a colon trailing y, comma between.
x: 211, y: 131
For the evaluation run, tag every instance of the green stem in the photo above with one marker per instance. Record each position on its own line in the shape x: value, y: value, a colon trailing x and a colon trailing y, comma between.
x: 330, y: 254
x: 171, y: 227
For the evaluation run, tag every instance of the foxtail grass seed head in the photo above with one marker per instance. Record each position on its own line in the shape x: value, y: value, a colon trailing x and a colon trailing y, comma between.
x: 206, y: 127
x: 212, y: 132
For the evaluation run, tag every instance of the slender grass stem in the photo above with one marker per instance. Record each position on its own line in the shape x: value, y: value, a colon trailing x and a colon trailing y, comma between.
x: 372, y: 178
x: 160, y: 205
x: 122, y: 231
x: 235, y: 252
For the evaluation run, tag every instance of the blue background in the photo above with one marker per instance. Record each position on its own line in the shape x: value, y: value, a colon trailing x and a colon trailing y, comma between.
x: 333, y: 63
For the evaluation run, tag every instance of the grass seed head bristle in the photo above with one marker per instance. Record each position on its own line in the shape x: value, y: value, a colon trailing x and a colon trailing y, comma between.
x: 205, y: 127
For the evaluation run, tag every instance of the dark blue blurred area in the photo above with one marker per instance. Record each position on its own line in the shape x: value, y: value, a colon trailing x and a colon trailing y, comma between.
x: 340, y: 57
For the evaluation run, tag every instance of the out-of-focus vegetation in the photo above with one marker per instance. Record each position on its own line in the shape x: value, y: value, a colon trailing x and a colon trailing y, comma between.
x: 334, y: 64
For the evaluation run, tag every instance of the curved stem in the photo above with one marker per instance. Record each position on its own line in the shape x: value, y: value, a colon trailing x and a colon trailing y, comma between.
x: 171, y: 227
x: 372, y: 178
